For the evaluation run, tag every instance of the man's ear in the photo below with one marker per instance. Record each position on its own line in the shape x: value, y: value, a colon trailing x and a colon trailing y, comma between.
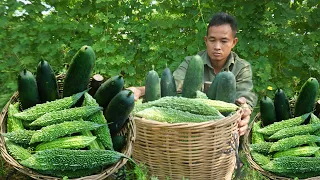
x: 234, y: 42
x: 205, y: 38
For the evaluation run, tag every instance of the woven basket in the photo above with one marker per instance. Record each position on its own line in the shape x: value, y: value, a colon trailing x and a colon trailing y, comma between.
x: 194, y: 151
x: 254, y: 165
x: 128, y: 130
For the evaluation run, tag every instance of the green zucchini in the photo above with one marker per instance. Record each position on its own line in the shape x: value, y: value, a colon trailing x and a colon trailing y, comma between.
x: 306, y: 97
x: 118, y: 142
x: 281, y: 105
x: 193, y: 80
x: 28, y: 90
x: 46, y: 82
x: 118, y: 110
x: 54, y: 131
x: 56, y: 117
x: 167, y: 83
x: 226, y: 87
x: 108, y: 90
x: 41, y: 109
x: 72, y: 142
x: 273, y: 128
x: 79, y: 72
x: 267, y: 111
x: 152, y: 86
x: 67, y: 159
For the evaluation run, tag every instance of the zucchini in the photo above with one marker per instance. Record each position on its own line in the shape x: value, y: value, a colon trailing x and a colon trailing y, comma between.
x: 287, y: 143
x: 267, y: 111
x: 54, y: 131
x: 193, y: 80
x: 167, y: 83
x: 41, y: 109
x: 67, y: 159
x: 297, y: 151
x: 307, y: 97
x: 13, y: 123
x: 46, y: 82
x: 72, y: 142
x: 281, y: 105
x: 103, y: 132
x: 118, y: 110
x: 293, y: 165
x: 56, y: 117
x: 295, y: 130
x: 79, y: 72
x: 118, y: 142
x: 226, y: 87
x: 273, y: 128
x: 108, y: 90
x: 28, y: 90
x: 152, y: 86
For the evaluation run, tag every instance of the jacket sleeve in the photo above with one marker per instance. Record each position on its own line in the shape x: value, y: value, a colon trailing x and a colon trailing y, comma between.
x: 180, y: 73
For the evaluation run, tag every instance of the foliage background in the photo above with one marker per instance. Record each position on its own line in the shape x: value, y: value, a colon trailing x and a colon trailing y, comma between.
x: 279, y: 38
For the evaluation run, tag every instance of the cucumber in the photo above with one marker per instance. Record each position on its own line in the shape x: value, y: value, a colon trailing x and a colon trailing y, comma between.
x: 108, y: 90
x: 79, y: 72
x: 281, y: 105
x: 267, y: 111
x: 28, y: 90
x: 152, y: 86
x: 226, y: 87
x: 307, y: 97
x: 193, y: 80
x: 118, y: 110
x: 167, y: 83
x: 46, y: 82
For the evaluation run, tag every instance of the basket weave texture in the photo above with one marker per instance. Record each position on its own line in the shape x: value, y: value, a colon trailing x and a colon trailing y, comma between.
x: 196, y: 151
x: 128, y: 130
x: 254, y: 165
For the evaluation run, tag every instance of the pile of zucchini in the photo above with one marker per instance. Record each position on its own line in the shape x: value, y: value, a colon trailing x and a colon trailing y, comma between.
x: 287, y: 143
x: 162, y: 103
x: 74, y: 135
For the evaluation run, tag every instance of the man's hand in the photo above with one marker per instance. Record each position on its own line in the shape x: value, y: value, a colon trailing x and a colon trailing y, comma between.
x: 245, y: 118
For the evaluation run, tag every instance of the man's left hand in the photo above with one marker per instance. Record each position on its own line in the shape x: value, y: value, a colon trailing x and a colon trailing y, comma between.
x: 245, y: 118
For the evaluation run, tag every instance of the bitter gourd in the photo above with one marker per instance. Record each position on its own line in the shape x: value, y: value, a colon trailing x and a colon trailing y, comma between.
x: 103, y: 132
x: 173, y: 115
x: 65, y: 115
x: 20, y: 136
x: 72, y: 142
x: 54, y: 131
x: 13, y: 123
x: 17, y: 151
x: 256, y: 137
x: 38, y: 110
x: 297, y: 151
x: 273, y: 128
x: 67, y: 159
x: 287, y: 143
x: 221, y: 106
x: 260, y: 158
x: 263, y: 147
x: 296, y: 130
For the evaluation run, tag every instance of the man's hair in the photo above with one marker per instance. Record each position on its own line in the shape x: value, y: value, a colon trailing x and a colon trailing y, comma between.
x: 222, y: 18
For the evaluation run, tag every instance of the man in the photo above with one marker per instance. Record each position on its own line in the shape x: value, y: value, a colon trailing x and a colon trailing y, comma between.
x: 220, y: 39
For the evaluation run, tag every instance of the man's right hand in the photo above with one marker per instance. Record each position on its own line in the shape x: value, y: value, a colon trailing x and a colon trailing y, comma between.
x: 137, y: 91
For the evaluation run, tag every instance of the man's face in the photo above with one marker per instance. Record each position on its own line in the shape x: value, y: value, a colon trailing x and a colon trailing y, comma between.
x: 220, y: 42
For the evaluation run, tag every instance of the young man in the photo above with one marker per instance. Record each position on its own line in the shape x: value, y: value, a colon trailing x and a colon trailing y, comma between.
x: 220, y: 39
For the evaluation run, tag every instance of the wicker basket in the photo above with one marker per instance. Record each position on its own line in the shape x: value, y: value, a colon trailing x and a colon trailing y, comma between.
x: 128, y: 130
x: 194, y: 151
x: 254, y: 165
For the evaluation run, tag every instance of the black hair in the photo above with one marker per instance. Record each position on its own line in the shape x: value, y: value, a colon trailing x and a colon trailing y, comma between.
x: 222, y: 18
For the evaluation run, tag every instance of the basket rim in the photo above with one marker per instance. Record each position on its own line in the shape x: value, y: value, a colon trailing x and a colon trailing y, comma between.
x: 106, y: 172
x: 253, y: 164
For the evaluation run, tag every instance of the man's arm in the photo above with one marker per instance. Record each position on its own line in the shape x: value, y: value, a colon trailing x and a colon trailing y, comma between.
x: 137, y: 91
